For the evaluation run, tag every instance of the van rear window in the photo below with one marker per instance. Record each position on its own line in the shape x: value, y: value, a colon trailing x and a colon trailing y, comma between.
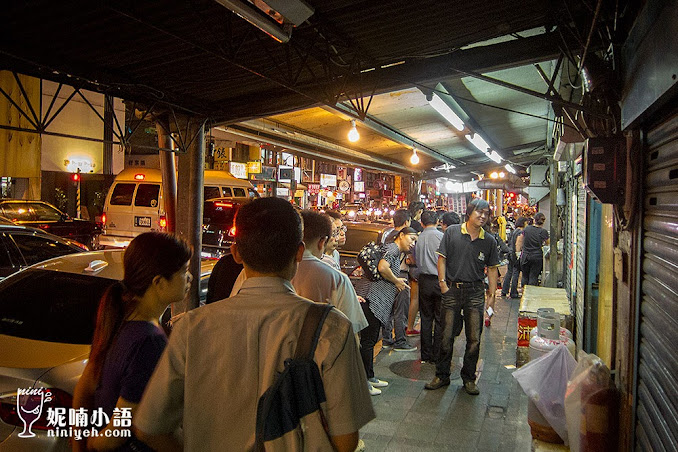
x: 239, y: 192
x: 211, y: 193
x: 227, y: 191
x: 122, y: 194
x: 147, y: 195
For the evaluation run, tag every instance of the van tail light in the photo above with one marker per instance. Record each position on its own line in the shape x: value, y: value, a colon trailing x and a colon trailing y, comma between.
x: 103, y: 219
x: 162, y: 223
x: 223, y: 204
x: 231, y: 232
x: 56, y: 400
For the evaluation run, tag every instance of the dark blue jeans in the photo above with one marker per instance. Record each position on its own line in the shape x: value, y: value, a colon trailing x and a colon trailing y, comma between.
x: 431, y: 317
x: 511, y: 279
x: 471, y: 301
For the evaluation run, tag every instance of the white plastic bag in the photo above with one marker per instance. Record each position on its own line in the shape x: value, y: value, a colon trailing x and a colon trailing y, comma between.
x: 589, y: 381
x: 544, y: 380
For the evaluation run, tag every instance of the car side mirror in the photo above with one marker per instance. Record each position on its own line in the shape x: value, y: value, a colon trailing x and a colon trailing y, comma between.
x: 65, y: 217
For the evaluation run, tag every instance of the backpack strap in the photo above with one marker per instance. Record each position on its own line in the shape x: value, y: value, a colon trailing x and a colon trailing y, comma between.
x: 310, y: 330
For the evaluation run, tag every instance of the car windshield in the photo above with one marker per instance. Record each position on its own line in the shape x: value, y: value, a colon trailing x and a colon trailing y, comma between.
x: 17, y: 211
x: 51, y: 306
x: 44, y: 212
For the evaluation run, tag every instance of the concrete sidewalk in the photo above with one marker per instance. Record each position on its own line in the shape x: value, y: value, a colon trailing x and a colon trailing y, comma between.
x: 410, y: 418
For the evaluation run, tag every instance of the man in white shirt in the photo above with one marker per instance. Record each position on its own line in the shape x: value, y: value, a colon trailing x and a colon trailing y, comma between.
x: 319, y: 282
x: 336, y: 240
x: 222, y: 357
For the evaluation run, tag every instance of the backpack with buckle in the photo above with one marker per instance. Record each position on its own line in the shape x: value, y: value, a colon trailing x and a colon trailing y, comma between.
x: 289, y: 413
x: 368, y: 258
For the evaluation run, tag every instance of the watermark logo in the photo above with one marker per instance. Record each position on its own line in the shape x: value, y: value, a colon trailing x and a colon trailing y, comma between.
x: 62, y: 422
x: 29, y: 403
x: 79, y: 423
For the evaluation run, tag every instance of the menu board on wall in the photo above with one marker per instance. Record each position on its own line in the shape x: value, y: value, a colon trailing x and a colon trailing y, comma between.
x: 267, y: 173
x: 238, y: 169
x: 328, y: 180
x: 457, y: 203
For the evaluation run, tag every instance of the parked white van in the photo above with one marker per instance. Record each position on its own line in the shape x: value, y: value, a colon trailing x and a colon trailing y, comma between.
x: 134, y: 203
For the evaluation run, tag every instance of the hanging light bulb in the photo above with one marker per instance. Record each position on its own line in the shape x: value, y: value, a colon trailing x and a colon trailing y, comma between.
x: 353, y: 134
x: 415, y: 158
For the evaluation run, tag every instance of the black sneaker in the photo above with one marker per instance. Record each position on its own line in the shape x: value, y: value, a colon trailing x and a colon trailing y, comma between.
x: 405, y: 348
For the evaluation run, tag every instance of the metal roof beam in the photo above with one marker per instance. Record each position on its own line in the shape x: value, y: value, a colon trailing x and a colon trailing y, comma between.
x: 414, y: 72
x: 321, y: 149
x: 390, y: 132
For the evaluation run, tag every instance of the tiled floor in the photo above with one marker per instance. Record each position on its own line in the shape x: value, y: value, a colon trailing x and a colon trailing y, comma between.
x: 410, y: 418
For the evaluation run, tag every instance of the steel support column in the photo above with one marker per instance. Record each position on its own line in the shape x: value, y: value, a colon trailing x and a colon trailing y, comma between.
x: 554, y: 233
x: 168, y: 171
x: 190, y: 206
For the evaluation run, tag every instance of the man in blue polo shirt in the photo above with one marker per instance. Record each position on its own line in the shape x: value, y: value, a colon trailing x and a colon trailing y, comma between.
x: 465, y: 251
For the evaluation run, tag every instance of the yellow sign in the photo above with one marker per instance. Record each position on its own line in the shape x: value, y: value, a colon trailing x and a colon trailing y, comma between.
x: 254, y: 167
x: 398, y: 189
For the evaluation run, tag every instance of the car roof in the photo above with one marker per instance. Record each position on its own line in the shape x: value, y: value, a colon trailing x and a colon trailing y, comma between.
x: 12, y: 227
x: 103, y: 264
x: 367, y: 226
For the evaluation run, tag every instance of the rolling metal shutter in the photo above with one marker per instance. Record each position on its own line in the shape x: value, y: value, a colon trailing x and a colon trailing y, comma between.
x: 581, y: 262
x: 657, y: 381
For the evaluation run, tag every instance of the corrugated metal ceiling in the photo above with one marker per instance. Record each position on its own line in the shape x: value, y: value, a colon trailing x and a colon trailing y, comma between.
x: 198, y: 56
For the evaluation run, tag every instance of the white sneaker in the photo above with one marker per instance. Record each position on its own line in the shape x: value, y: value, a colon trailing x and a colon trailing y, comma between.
x: 377, y: 383
x: 373, y: 390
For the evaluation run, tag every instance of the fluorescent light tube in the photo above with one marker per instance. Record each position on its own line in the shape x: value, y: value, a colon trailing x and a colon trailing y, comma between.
x: 478, y: 142
x: 446, y: 112
x: 495, y: 157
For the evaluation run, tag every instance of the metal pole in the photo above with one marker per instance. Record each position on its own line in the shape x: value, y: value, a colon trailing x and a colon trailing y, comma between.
x: 77, y: 196
x: 169, y: 173
x: 554, y: 229
x: 196, y: 154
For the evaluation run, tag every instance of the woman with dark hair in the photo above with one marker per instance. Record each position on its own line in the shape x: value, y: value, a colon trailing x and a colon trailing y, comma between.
x: 380, y: 299
x: 128, y: 340
x: 513, y: 269
x: 528, y: 247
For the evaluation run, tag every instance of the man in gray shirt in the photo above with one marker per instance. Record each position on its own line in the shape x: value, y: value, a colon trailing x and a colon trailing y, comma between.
x: 429, y: 290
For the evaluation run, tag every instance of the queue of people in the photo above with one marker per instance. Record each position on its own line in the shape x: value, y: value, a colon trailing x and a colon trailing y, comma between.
x: 181, y: 392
